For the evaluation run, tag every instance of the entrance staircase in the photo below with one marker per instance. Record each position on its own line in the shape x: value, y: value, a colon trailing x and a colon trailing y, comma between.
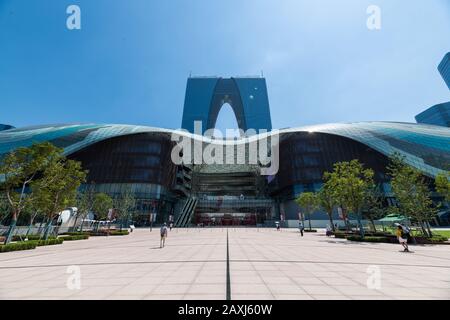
x: 187, y: 212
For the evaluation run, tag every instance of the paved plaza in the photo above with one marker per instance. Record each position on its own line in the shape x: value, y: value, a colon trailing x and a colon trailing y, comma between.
x: 263, y: 264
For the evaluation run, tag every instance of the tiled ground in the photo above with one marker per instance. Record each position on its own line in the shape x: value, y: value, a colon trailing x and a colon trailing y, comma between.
x: 264, y: 264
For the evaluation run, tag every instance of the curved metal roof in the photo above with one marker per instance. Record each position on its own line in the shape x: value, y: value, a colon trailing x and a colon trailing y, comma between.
x: 425, y: 147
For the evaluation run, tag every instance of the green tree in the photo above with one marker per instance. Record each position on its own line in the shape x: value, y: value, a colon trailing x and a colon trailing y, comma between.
x: 85, y: 204
x: 349, y: 183
x: 102, y: 204
x: 125, y: 205
x: 374, y: 207
x: 309, y: 202
x: 5, y: 209
x: 32, y: 212
x: 58, y: 189
x: 411, y: 192
x: 443, y: 185
x: 19, y: 169
x: 327, y: 202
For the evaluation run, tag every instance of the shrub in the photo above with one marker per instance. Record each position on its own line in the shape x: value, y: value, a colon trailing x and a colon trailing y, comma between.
x: 75, y: 234
x: 31, y: 237
x: 98, y: 233
x: 368, y: 239
x: 342, y: 235
x: 74, y: 237
x: 433, y: 240
x: 119, y: 233
x: 25, y: 245
x: 105, y: 232
x: 49, y: 242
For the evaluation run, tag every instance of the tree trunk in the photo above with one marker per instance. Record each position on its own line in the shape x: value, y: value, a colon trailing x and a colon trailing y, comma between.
x: 425, y: 233
x: 82, y: 223
x: 373, y: 224
x: 40, y: 226
x: 361, y: 228
x: 12, y: 228
x: 29, y: 229
x: 47, y: 229
x: 330, y: 217
x: 309, y: 220
x: 74, y: 228
x: 429, y: 229
x: 344, y: 217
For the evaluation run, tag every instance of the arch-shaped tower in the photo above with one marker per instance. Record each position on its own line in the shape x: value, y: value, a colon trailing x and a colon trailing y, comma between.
x: 248, y: 98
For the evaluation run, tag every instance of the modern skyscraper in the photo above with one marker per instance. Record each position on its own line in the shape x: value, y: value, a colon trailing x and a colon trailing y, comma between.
x: 444, y: 69
x: 438, y: 115
x: 248, y: 98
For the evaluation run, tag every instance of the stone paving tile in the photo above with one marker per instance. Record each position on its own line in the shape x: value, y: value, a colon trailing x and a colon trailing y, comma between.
x: 252, y: 297
x: 330, y: 297
x: 286, y: 289
x: 136, y: 290
x: 293, y: 297
x: 264, y: 264
x: 245, y: 289
x: 320, y: 290
x: 207, y: 289
x: 204, y: 297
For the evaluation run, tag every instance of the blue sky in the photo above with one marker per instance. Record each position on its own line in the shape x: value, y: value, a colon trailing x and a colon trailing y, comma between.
x: 130, y: 60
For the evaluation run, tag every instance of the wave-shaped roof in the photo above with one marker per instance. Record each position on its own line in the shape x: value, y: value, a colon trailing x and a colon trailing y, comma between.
x: 425, y: 147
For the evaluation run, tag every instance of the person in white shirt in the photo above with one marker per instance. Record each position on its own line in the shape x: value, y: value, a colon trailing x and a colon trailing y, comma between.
x: 163, y: 232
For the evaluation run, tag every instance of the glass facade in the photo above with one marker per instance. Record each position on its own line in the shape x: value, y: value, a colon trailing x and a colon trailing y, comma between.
x: 438, y: 115
x: 247, y: 96
x: 4, y: 127
x: 138, y: 158
x: 124, y: 156
x: 305, y: 156
x: 444, y: 69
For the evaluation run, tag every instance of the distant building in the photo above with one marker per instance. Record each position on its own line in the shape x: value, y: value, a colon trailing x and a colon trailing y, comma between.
x: 444, y: 69
x: 438, y: 115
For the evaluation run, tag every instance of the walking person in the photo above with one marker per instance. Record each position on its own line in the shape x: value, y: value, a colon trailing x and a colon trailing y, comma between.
x: 277, y: 224
x: 402, y: 237
x: 163, y: 232
x: 301, y: 228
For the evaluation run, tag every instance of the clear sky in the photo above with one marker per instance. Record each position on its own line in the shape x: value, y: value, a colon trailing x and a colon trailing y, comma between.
x: 130, y: 61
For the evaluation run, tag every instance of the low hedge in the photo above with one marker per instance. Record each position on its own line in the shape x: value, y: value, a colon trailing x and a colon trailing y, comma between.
x: 436, y: 239
x: 31, y: 237
x: 75, y: 237
x: 18, y: 246
x: 105, y: 232
x: 368, y: 239
x: 49, y: 242
x: 119, y: 233
x: 75, y: 234
x: 98, y: 233
x: 308, y: 230
x: 393, y: 239
x: 342, y: 235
